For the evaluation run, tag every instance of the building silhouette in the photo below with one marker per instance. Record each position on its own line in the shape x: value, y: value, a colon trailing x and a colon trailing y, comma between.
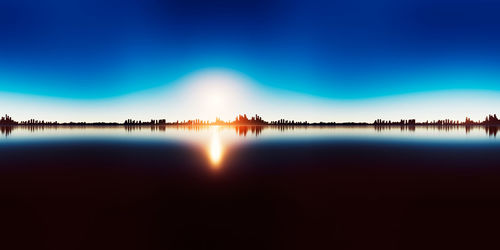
x: 490, y: 120
x: 7, y: 120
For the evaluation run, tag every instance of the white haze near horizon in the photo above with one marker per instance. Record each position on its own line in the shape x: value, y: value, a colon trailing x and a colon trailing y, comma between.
x: 222, y: 93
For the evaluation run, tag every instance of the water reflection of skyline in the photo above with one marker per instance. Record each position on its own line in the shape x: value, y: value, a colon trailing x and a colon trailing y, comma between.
x: 243, y: 130
x: 492, y: 130
x: 6, y: 130
x: 216, y: 142
x: 257, y: 130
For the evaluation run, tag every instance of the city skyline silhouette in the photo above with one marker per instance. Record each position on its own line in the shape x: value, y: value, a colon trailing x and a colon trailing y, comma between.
x: 258, y: 120
x: 249, y: 124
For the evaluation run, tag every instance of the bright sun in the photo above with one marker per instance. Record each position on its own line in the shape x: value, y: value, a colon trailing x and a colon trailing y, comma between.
x: 215, y: 99
x: 217, y: 94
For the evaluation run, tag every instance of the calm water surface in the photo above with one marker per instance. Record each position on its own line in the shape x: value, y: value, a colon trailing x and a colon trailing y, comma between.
x: 249, y: 187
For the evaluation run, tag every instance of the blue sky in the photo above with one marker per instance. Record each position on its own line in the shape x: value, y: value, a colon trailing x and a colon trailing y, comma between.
x: 340, y: 52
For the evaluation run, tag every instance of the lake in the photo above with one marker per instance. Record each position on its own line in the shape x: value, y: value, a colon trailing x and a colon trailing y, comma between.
x: 249, y: 187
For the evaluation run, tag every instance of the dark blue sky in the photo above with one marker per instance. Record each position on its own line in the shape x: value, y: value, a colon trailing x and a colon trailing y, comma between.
x: 333, y: 49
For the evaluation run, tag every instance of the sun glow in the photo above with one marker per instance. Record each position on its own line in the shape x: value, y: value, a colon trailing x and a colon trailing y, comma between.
x: 215, y: 99
x: 216, y: 93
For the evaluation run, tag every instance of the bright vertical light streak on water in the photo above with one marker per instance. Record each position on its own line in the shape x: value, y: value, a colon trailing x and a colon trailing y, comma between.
x: 215, y: 149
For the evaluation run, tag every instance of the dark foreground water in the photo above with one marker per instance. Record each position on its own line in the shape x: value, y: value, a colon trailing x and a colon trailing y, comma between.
x: 249, y: 188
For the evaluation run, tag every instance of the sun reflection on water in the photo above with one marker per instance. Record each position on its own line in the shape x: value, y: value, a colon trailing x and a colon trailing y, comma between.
x: 215, y: 149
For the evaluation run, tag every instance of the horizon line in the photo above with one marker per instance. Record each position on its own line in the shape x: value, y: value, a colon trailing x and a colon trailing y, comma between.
x: 255, y: 120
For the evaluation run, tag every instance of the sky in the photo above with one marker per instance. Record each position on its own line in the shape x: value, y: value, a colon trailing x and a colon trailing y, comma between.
x: 304, y: 60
